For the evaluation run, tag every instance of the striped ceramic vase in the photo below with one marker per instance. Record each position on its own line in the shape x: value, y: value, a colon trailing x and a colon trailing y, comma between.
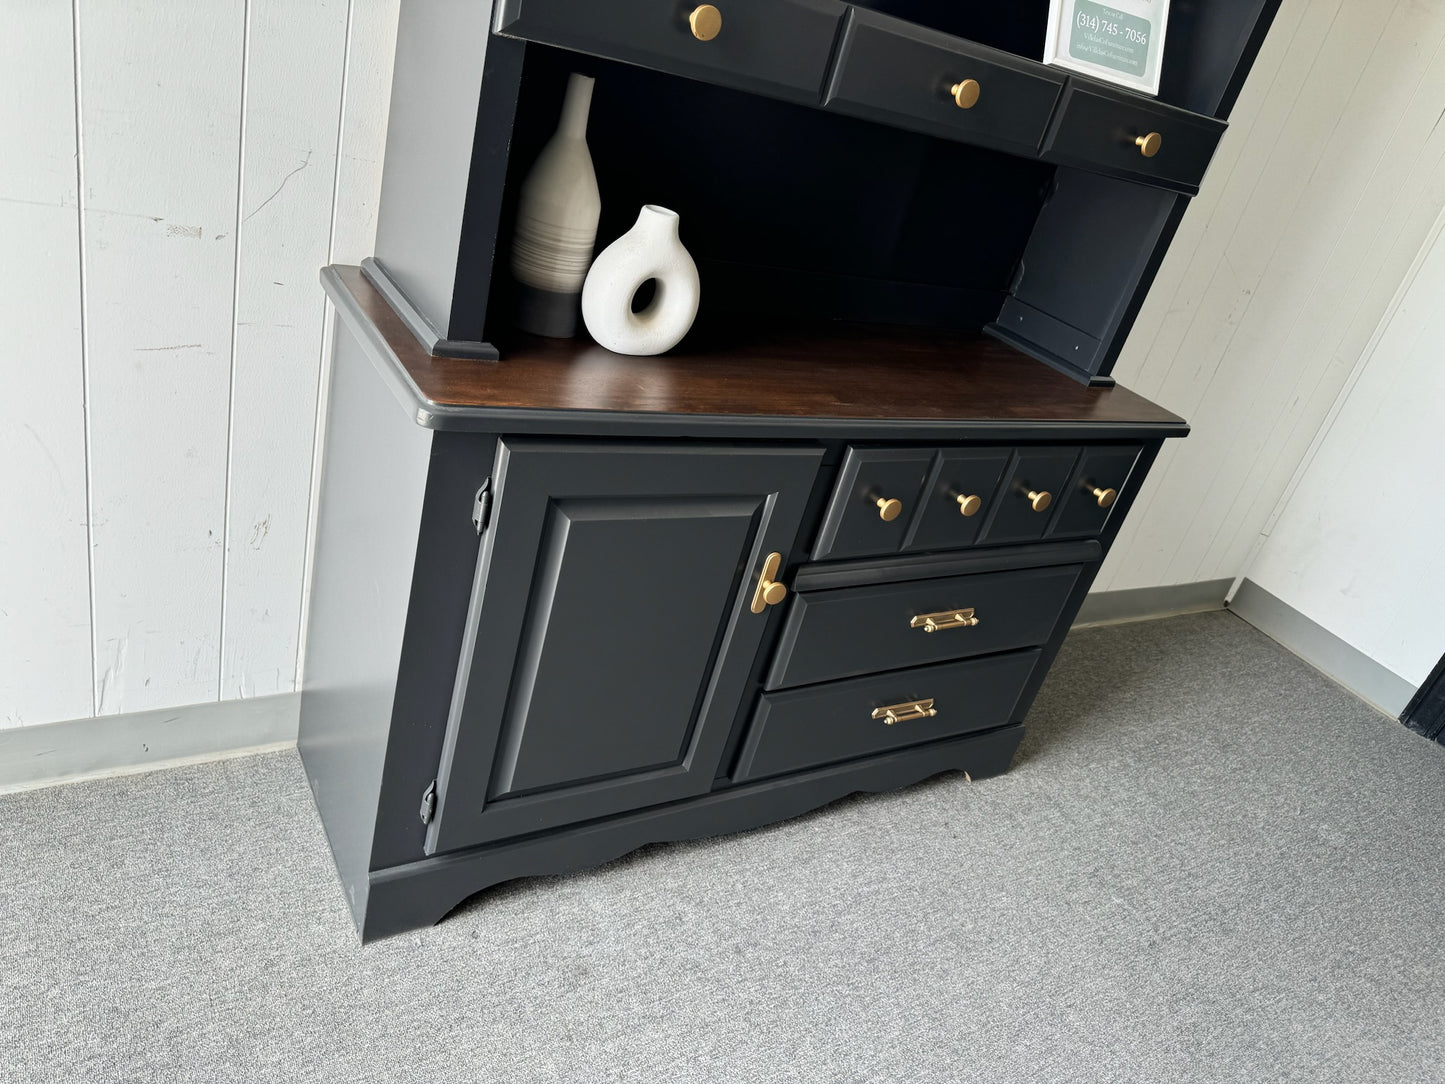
x: 557, y: 223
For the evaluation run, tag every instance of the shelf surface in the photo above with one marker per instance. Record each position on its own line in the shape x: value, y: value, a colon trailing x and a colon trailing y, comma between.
x: 832, y: 371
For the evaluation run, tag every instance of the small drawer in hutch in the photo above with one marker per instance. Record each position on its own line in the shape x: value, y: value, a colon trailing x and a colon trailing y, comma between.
x: 898, y: 73
x: 775, y: 47
x: 1132, y: 137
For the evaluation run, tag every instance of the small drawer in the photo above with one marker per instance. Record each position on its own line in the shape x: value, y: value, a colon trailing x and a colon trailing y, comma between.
x: 1089, y: 497
x: 898, y: 73
x: 959, y: 499
x: 1109, y: 134
x: 774, y: 47
x: 874, y: 502
x: 1029, y: 496
x: 846, y: 719
x: 861, y: 630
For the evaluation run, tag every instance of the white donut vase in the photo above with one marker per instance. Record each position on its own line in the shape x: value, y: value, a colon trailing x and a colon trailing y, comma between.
x: 652, y: 249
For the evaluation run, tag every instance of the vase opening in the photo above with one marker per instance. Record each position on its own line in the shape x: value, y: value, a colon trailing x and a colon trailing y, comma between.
x: 644, y: 295
x: 655, y: 209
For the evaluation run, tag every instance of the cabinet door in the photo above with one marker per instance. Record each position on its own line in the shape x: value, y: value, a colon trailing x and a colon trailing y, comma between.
x: 611, y: 630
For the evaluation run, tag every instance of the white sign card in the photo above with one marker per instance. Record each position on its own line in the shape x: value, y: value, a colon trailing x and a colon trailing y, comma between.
x: 1121, y: 41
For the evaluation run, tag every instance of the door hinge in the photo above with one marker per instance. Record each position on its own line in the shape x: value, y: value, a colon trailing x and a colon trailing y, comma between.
x: 429, y: 802
x: 482, y: 506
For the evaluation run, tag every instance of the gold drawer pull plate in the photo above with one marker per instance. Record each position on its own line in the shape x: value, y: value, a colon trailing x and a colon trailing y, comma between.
x: 1040, y: 499
x: 769, y: 591
x: 1149, y: 144
x: 965, y: 94
x: 904, y: 713
x: 969, y: 503
x: 945, y: 619
x: 705, y: 22
x: 888, y: 508
x: 1104, y: 497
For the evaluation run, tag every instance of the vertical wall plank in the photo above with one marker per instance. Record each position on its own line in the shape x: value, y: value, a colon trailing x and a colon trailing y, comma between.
x: 160, y: 87
x: 366, y: 102
x: 296, y: 52
x: 371, y: 50
x: 45, y: 647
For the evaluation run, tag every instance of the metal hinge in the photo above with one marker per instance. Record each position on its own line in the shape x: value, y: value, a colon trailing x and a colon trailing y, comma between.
x: 482, y: 506
x: 429, y: 802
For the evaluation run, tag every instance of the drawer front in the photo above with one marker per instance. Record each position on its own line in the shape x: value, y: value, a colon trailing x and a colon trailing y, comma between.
x: 1089, y: 497
x: 862, y: 630
x: 960, y: 498
x: 1029, y: 496
x: 874, y: 501
x: 898, y: 73
x: 1107, y: 134
x: 846, y: 719
x: 774, y: 47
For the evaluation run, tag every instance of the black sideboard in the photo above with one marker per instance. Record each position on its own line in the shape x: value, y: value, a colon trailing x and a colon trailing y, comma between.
x: 566, y: 602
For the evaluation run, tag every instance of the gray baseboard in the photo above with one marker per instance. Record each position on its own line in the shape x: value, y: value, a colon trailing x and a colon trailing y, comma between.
x: 49, y: 753
x: 1322, y: 649
x: 1145, y: 603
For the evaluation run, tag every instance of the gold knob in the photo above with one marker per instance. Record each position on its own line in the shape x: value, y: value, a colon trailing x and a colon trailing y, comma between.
x: 706, y: 22
x: 965, y: 94
x: 888, y: 508
x: 1040, y: 499
x: 969, y: 503
x: 769, y: 591
x: 1149, y: 144
x: 1105, y: 497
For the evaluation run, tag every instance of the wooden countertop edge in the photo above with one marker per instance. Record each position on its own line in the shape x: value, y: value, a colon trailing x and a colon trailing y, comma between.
x: 443, y: 417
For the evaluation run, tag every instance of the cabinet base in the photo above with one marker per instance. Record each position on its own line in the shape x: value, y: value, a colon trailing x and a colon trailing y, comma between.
x: 421, y: 893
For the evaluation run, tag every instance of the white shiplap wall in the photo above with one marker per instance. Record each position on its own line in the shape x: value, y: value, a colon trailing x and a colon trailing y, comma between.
x: 1319, y: 198
x: 175, y: 174
x: 1359, y: 545
x: 187, y: 167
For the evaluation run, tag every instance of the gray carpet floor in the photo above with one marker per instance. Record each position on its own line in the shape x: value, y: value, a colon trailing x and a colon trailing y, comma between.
x: 1208, y: 863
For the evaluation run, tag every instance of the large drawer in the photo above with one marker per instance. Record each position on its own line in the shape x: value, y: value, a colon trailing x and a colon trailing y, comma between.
x: 860, y: 630
x: 774, y: 47
x: 911, y: 76
x: 847, y: 719
x: 1132, y: 137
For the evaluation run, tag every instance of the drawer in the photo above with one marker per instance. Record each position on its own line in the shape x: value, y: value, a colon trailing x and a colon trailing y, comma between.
x: 960, y: 498
x: 1089, y: 497
x: 1110, y: 134
x: 1028, y: 498
x: 774, y: 47
x: 910, y: 76
x: 874, y: 501
x: 861, y: 630
x: 846, y: 719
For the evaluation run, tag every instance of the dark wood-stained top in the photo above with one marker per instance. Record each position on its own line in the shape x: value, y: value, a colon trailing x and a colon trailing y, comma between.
x: 846, y: 372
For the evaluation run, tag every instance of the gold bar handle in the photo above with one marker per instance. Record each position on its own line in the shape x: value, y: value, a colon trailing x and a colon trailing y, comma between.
x: 907, y: 712
x: 945, y: 619
x: 769, y: 591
